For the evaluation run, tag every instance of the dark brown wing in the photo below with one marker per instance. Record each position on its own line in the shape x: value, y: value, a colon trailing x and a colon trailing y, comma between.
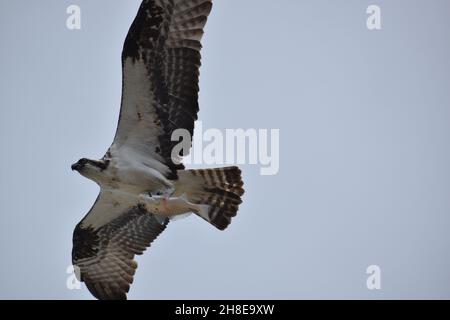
x: 105, y: 243
x: 161, y: 61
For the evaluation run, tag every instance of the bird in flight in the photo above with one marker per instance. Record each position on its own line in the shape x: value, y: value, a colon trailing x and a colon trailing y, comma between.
x: 143, y: 185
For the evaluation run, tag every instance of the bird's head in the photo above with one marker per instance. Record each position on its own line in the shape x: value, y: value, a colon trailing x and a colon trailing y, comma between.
x: 90, y: 168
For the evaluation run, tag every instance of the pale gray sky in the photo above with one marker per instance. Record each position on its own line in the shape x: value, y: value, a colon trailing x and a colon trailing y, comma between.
x: 364, y: 174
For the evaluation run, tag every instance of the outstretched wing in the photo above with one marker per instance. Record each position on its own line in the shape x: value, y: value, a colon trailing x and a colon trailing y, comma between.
x: 160, y: 65
x: 106, y: 241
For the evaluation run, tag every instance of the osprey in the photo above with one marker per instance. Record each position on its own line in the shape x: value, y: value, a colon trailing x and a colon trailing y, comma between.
x: 142, y: 185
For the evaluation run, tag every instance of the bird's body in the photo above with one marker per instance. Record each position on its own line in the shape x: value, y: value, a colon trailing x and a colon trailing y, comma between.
x: 124, y: 171
x: 142, y: 183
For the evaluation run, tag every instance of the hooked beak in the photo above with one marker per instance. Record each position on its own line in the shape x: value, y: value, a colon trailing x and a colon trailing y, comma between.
x: 76, y: 167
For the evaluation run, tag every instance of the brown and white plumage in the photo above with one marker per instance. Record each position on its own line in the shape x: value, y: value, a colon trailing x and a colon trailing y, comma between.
x: 142, y: 184
x: 105, y: 255
x: 161, y: 61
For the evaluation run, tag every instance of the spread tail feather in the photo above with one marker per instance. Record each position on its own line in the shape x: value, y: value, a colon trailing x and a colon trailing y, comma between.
x: 216, y: 192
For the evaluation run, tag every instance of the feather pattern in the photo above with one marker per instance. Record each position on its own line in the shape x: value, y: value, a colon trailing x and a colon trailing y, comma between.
x: 160, y: 61
x: 104, y: 254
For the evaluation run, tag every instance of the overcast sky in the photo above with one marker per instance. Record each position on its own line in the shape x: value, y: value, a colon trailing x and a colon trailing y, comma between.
x: 364, y: 156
